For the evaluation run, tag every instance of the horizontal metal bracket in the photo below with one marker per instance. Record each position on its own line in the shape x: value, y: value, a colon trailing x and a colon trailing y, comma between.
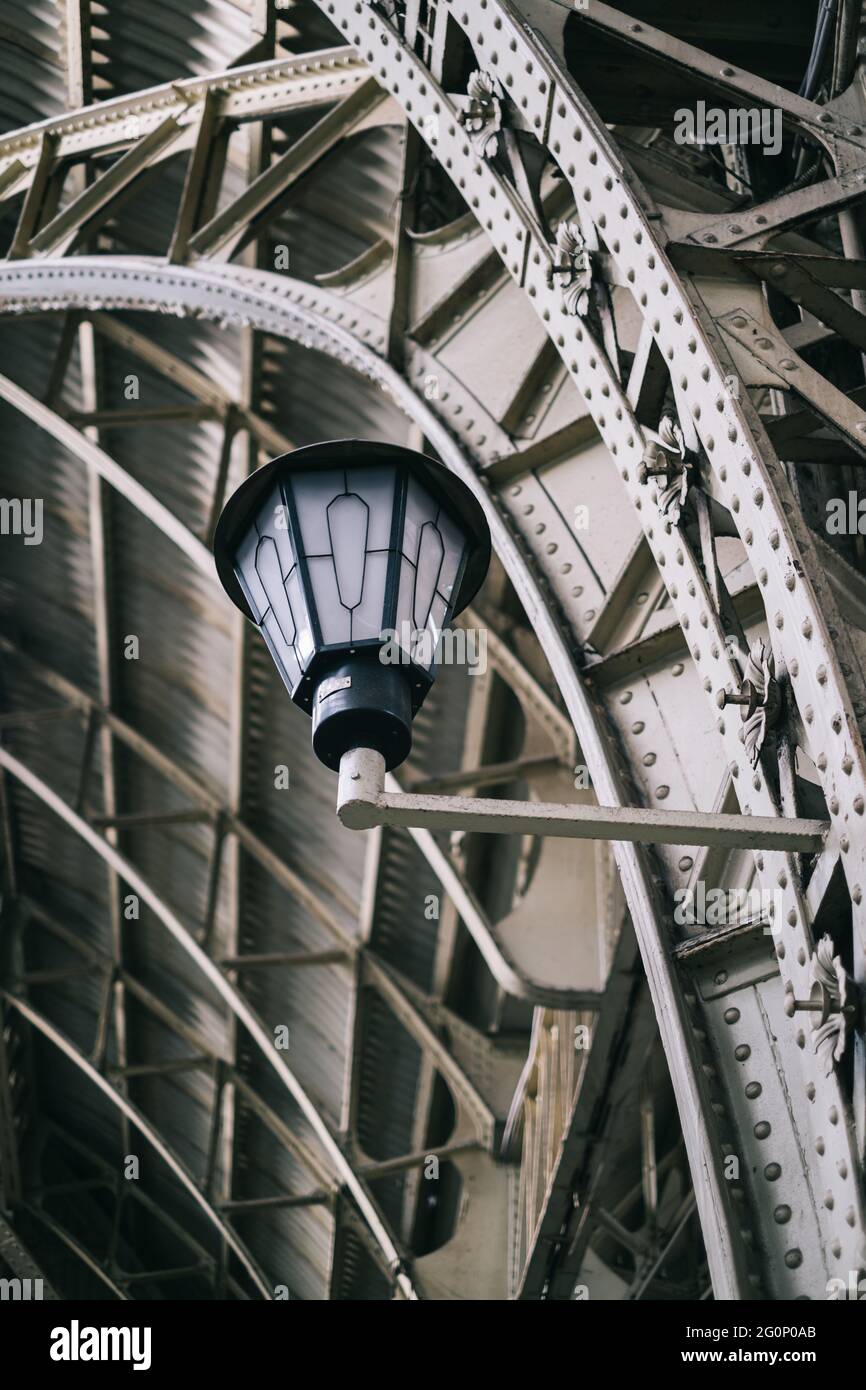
x: 363, y: 802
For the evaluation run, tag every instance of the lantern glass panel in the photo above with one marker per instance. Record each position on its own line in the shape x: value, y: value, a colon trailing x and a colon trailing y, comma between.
x: 267, y: 571
x: 345, y: 525
x: 335, y: 620
x: 375, y: 486
x: 368, y: 618
x: 433, y: 551
x: 452, y: 561
x: 420, y: 507
x: 348, y: 524
x: 311, y: 493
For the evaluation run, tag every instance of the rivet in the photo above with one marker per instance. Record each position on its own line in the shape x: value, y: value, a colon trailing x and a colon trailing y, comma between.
x: 762, y: 1129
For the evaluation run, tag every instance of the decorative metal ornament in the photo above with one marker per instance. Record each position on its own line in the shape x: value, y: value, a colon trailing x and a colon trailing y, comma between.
x: 482, y: 114
x: 829, y: 999
x: 572, y: 266
x: 759, y: 697
x: 668, y: 458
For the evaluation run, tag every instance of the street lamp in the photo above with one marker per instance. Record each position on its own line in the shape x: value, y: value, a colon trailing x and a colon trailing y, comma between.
x: 351, y: 557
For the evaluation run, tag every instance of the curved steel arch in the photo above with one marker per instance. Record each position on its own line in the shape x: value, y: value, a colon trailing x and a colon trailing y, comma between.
x: 512, y: 980
x: 247, y: 93
x: 577, y: 140
x: 79, y: 1251
x: 465, y: 1093
x: 237, y: 1004
x: 265, y: 301
x: 597, y: 175
x: 132, y: 1113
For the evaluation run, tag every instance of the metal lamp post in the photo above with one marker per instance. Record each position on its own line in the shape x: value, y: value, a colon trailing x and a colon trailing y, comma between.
x: 351, y: 557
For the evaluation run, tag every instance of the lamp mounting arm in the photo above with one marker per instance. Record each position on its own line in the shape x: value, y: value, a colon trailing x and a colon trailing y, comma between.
x: 364, y: 802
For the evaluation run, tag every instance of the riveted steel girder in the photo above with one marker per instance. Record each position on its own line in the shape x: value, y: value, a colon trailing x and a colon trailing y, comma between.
x: 742, y: 474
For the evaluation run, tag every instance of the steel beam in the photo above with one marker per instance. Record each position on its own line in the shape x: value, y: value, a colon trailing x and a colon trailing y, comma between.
x: 251, y: 92
x: 841, y: 137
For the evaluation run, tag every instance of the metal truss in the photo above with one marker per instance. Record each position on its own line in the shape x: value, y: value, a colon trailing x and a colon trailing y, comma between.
x: 135, y: 1117
x: 303, y: 324
x: 479, y: 1119
x: 665, y: 265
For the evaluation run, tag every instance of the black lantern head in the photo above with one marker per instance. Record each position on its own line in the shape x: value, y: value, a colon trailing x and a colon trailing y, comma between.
x: 351, y: 558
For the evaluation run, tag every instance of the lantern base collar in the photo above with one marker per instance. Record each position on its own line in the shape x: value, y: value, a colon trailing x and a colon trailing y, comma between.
x: 362, y: 701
